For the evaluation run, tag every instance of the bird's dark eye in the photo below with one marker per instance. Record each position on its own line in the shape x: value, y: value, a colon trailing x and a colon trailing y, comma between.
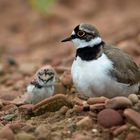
x: 81, y: 33
x: 40, y: 73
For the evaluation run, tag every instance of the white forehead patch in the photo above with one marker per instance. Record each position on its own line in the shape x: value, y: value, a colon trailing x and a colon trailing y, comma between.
x: 78, y: 43
x: 73, y: 33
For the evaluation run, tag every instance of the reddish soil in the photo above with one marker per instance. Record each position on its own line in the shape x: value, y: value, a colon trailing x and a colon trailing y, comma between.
x: 29, y: 39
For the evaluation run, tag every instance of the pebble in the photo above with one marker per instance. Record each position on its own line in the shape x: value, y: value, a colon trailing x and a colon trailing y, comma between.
x: 120, y: 129
x: 8, y: 117
x: 133, y: 116
x: 1, y: 104
x: 78, y: 108
x: 1, y: 69
x: 78, y: 101
x: 97, y: 107
x: 16, y: 125
x: 109, y: 117
x: 138, y: 38
x: 26, y: 109
x: 27, y: 68
x: 66, y: 79
x: 133, y: 98
x: 63, y: 110
x: 95, y: 131
x: 19, y: 85
x: 85, y: 123
x: 8, y: 95
x: 11, y: 61
x: 30, y: 126
x: 59, y: 88
x: 61, y: 69
x: 96, y: 100
x: 25, y: 136
x: 42, y: 131
x: 6, y: 133
x: 19, y: 100
x: 79, y: 136
x: 137, y: 106
x: 86, y: 106
x: 130, y: 136
x: 10, y: 108
x: 51, y: 104
x: 9, y: 83
x: 56, y: 62
x: 118, y: 103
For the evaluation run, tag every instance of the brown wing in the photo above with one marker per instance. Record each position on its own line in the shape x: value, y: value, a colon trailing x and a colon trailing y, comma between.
x: 125, y: 70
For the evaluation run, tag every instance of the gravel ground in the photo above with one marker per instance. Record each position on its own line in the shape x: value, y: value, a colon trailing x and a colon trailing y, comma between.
x: 29, y: 40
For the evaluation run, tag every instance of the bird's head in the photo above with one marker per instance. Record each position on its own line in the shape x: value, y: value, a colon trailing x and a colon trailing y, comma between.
x: 46, y: 76
x: 84, y: 35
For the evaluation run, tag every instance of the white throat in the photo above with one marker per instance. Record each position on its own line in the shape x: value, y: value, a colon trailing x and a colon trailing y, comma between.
x: 78, y: 43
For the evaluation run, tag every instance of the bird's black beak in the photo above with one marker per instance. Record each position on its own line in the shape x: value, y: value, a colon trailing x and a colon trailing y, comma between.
x: 67, y: 39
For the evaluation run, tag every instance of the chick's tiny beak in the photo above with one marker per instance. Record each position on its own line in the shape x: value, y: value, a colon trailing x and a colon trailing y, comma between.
x: 67, y: 39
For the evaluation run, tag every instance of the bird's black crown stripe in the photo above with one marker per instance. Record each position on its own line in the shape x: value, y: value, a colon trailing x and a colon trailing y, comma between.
x: 76, y: 30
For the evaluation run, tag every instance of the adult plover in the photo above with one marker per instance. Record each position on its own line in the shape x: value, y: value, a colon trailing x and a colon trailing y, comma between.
x: 100, y: 69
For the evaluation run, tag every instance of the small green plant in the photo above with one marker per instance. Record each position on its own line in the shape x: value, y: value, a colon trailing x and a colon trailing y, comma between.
x: 41, y: 5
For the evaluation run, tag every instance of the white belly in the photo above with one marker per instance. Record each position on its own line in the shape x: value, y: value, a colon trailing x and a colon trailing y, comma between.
x: 92, y: 78
x: 35, y: 94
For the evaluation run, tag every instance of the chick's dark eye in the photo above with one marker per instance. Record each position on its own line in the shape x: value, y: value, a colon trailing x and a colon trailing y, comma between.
x: 81, y: 33
x: 40, y: 73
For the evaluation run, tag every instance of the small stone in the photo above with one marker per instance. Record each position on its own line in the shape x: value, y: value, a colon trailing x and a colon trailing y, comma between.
x: 130, y: 136
x: 86, y: 123
x: 8, y: 95
x: 10, y: 108
x: 59, y: 88
x: 78, y: 101
x: 61, y: 69
x: 8, y: 117
x: 118, y: 103
x: 56, y: 62
x: 1, y: 69
x: 19, y: 85
x: 1, y: 104
x: 19, y: 100
x: 16, y: 77
x: 137, y: 106
x: 26, y: 109
x: 16, y: 125
x: 80, y: 136
x: 133, y: 98
x: 11, y: 61
x: 78, y: 108
x: 120, y: 129
x: 109, y: 117
x: 133, y: 116
x: 30, y: 126
x: 42, y: 131
x: 27, y: 68
x: 85, y: 106
x: 138, y: 38
x: 66, y: 78
x: 25, y: 136
x: 95, y: 131
x: 63, y: 110
x: 51, y: 104
x: 96, y: 100
x: 6, y: 133
x: 97, y: 107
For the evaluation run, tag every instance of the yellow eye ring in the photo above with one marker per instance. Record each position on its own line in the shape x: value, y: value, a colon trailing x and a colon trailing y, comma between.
x: 81, y: 33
